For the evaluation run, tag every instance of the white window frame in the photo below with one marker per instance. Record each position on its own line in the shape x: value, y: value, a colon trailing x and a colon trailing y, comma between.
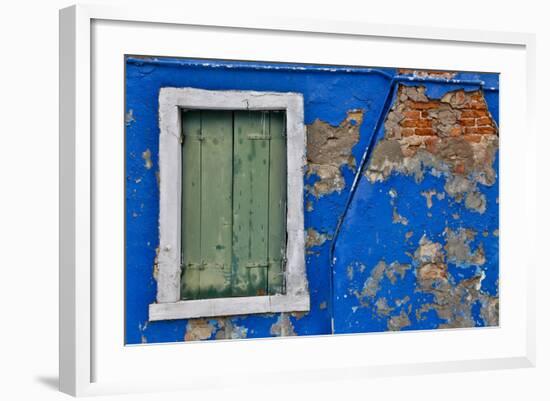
x: 169, y: 304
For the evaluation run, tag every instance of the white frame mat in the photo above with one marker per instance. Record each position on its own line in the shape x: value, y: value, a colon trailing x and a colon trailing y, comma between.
x: 93, y: 358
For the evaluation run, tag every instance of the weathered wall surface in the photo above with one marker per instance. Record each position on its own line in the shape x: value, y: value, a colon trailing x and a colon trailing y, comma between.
x: 418, y: 243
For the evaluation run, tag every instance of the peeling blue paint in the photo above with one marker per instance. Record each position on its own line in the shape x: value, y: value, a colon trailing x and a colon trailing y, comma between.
x: 367, y: 235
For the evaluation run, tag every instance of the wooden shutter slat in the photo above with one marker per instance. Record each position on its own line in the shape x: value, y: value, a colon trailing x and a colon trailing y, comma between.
x: 216, y: 202
x: 277, y: 203
x: 191, y: 204
x: 250, y: 202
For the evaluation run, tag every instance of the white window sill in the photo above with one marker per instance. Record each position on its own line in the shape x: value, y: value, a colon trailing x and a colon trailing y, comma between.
x: 228, y: 307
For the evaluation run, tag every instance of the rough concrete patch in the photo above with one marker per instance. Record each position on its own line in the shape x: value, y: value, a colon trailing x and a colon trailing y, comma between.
x: 198, y: 329
x: 142, y: 328
x: 476, y: 201
x: 382, y: 307
x: 330, y: 179
x: 386, y: 158
x: 129, y: 117
x: 315, y: 238
x: 398, y: 219
x: 229, y: 331
x: 458, y: 248
x: 156, y: 264
x: 329, y: 148
x: 399, y: 322
x: 428, y: 195
x: 490, y: 310
x: 453, y: 302
x: 350, y: 273
x: 283, y: 326
x: 395, y: 269
x: 445, y: 120
x: 298, y: 315
x: 429, y: 259
x: 428, y: 251
x: 146, y: 155
x: 372, y: 285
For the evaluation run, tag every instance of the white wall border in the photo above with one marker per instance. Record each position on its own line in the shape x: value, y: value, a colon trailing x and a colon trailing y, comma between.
x: 76, y: 315
x: 296, y: 297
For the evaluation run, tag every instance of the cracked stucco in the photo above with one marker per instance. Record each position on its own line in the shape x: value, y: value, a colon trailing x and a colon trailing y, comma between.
x: 328, y: 149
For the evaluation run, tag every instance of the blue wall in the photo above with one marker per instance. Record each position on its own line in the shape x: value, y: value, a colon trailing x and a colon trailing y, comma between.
x: 367, y: 234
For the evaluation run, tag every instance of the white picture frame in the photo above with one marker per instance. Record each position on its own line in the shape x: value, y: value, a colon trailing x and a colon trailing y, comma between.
x: 89, y: 354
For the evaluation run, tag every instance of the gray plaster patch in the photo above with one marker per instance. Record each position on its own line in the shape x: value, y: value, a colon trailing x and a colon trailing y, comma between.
x: 328, y: 149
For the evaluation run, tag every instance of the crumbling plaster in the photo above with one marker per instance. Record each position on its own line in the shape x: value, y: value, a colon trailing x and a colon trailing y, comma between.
x: 379, y: 276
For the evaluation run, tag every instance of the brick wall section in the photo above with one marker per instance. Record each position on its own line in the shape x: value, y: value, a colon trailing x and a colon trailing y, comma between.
x: 419, y: 122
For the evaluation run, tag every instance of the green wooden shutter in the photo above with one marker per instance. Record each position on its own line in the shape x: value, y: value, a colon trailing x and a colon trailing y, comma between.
x: 233, y: 203
x: 277, y: 204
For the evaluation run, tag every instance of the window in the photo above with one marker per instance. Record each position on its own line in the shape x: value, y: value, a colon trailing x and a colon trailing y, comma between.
x: 231, y: 204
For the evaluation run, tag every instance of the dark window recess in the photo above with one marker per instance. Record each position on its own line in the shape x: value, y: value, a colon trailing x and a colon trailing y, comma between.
x: 233, y: 203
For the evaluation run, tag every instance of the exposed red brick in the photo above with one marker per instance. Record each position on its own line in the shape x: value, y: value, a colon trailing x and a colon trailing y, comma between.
x: 481, y: 113
x: 408, y: 123
x: 414, y: 114
x: 424, y: 123
x: 456, y: 131
x: 418, y: 123
x: 431, y: 144
x: 459, y: 168
x: 483, y: 121
x: 481, y: 130
x: 477, y: 105
x: 472, y: 138
x: 424, y: 131
x: 468, y: 114
x: 424, y: 105
x: 467, y: 122
x: 476, y: 96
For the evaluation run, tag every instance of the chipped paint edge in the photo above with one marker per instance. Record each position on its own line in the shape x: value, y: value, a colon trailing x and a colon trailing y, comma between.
x: 169, y: 305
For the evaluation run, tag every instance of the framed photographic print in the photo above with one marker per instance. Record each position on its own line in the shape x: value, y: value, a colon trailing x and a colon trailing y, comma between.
x: 247, y: 192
